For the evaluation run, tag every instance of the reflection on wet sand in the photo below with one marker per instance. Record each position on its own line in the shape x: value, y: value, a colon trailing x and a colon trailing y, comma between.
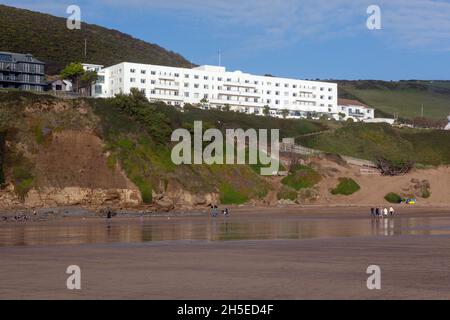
x: 72, y: 231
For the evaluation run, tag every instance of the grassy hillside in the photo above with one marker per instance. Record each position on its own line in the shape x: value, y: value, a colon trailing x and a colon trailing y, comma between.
x: 47, y: 38
x: 404, y: 97
x: 371, y: 141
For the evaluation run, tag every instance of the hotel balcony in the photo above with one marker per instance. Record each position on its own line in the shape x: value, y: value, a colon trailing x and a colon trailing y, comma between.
x: 237, y: 103
x: 167, y: 77
x: 167, y: 86
x: 239, y: 93
x: 239, y: 84
x: 159, y: 96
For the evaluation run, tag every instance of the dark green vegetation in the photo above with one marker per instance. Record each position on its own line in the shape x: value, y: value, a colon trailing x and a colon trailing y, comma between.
x: 374, y: 141
x: 393, y: 198
x: 346, y: 187
x: 302, y: 177
x: 48, y: 39
x: 404, y: 98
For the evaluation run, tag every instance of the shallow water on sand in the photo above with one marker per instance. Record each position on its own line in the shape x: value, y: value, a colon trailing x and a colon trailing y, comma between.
x: 245, y: 227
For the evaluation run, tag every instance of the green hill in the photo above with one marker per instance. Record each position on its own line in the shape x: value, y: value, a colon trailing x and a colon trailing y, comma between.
x: 48, y: 39
x: 404, y: 98
x: 372, y: 141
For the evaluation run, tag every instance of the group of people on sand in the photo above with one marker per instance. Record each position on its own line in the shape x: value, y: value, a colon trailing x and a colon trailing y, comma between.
x: 215, y: 211
x: 380, y: 212
x: 20, y: 217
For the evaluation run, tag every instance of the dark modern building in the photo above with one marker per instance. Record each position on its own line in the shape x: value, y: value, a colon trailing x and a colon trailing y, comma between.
x: 21, y: 71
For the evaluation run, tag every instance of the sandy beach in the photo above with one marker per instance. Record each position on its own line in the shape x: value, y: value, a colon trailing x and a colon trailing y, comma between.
x: 316, y: 258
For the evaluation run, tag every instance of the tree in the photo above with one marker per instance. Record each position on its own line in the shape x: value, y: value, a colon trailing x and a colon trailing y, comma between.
x: 226, y: 107
x: 88, y: 78
x: 73, y: 72
x: 266, y: 110
x: 285, y: 113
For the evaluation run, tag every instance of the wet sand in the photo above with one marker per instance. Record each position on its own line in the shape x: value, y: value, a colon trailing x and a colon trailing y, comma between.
x: 414, y: 265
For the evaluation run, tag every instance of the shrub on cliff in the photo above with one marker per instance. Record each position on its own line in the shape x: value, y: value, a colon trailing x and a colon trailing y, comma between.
x: 346, y: 187
x: 393, y: 198
x: 302, y: 177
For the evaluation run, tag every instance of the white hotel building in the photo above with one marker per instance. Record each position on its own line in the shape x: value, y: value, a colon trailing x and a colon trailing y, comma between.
x: 243, y: 92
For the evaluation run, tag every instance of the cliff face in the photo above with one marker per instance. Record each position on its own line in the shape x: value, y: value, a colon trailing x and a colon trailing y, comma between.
x: 63, y: 152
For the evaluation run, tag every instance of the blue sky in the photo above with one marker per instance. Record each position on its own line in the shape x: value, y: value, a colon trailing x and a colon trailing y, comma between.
x: 308, y: 39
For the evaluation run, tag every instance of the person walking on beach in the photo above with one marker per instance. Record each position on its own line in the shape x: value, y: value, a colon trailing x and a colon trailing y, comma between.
x: 391, y: 211
x: 385, y: 212
x: 372, y: 212
x: 214, y: 210
x: 377, y: 212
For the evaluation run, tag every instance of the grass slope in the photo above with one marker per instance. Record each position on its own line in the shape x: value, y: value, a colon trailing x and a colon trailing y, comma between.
x: 371, y: 141
x: 404, y: 97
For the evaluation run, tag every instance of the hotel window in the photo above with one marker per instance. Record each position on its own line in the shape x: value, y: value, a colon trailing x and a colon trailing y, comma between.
x: 132, y: 70
x: 196, y: 95
x: 186, y: 85
x: 143, y: 72
x: 294, y: 94
x: 330, y: 89
x: 196, y: 76
x: 219, y: 79
x: 330, y: 98
x: 268, y: 100
x: 153, y: 82
x: 229, y: 79
x: 177, y: 75
x: 286, y: 94
x: 186, y: 94
x: 322, y: 97
x: 153, y: 72
x: 256, y: 82
x: 205, y: 77
x: 277, y: 85
x: 205, y: 96
x: 286, y: 85
x: 247, y: 81
x: 268, y: 92
x: 186, y: 76
x: 205, y: 86
x: 321, y: 89
x: 277, y: 93
x: 294, y: 86
x: 133, y: 80
x: 196, y: 86
x: 277, y: 101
